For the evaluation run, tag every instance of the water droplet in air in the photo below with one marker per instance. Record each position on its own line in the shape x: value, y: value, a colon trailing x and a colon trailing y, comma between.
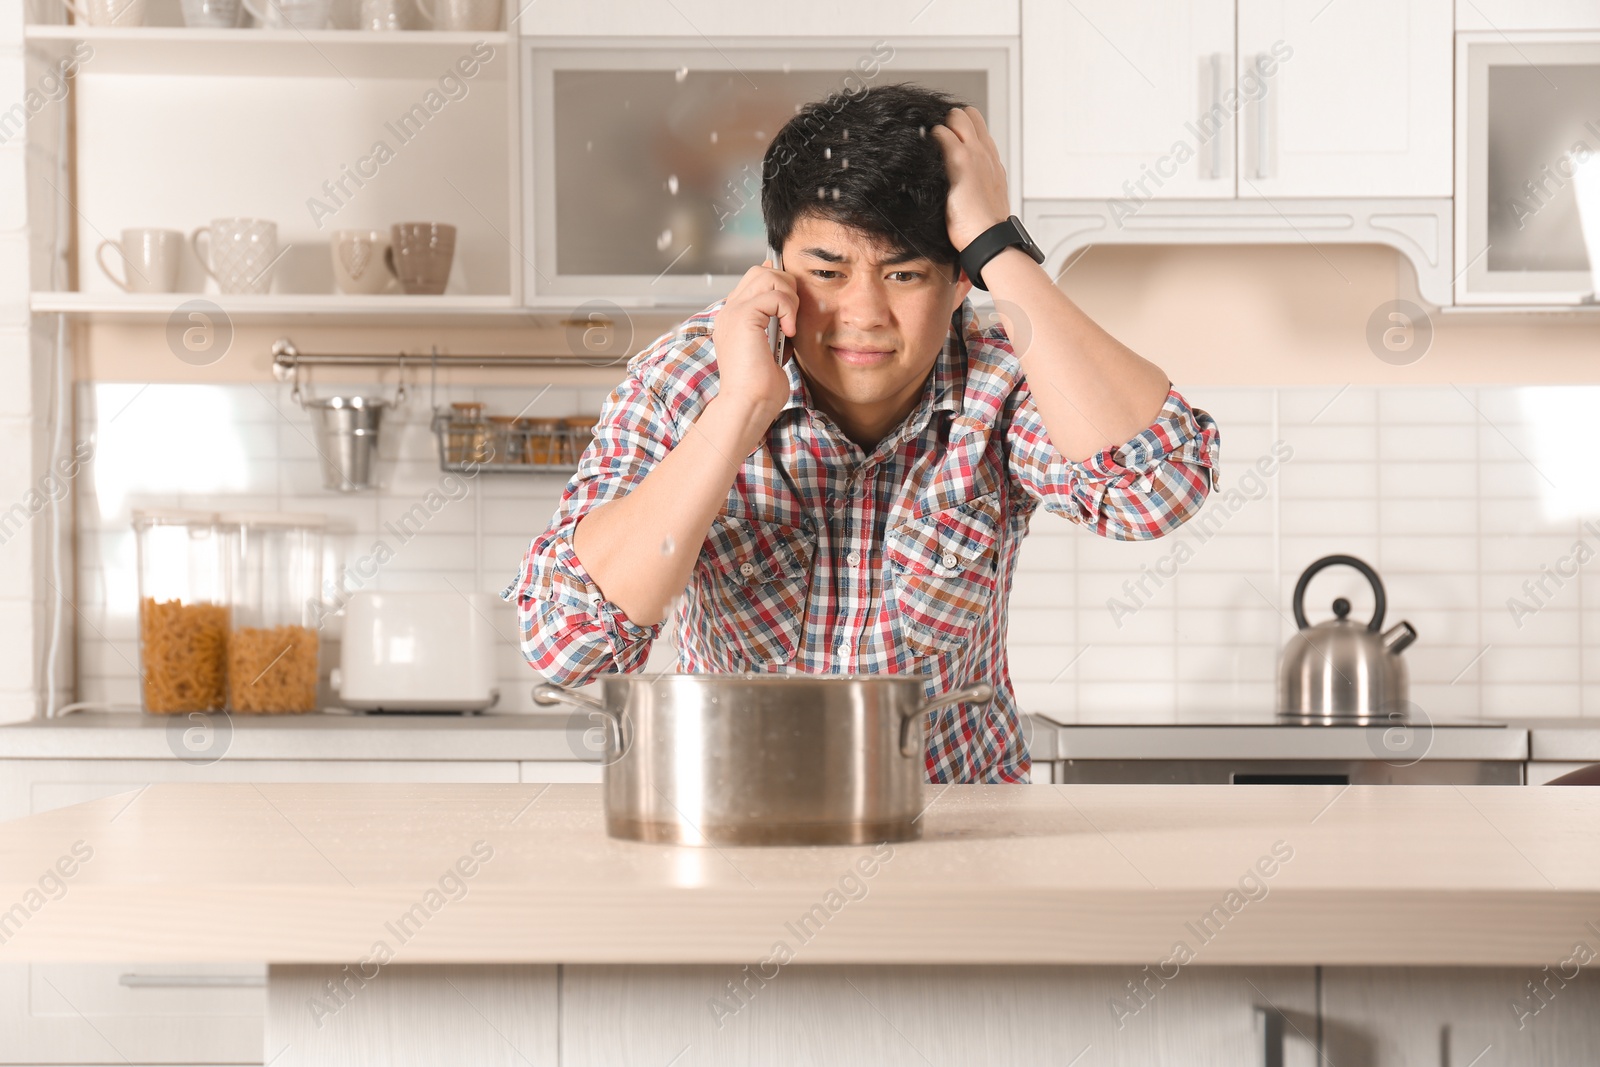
x: 680, y: 74
x: 922, y: 131
x: 663, y: 240
x: 672, y: 184
x: 827, y: 153
x: 708, y: 279
x: 786, y: 68
x: 588, y: 146
x: 821, y: 193
x: 713, y: 136
x: 761, y: 135
x: 668, y: 545
x: 836, y: 192
x: 844, y: 164
x: 846, y: 136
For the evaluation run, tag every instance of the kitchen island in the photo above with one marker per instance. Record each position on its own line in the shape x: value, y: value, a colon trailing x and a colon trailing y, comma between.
x: 497, y: 923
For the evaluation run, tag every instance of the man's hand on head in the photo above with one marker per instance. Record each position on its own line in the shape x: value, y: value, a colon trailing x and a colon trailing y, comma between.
x: 978, y: 197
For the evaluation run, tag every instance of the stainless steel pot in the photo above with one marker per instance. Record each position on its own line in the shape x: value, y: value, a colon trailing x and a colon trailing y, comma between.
x: 764, y: 759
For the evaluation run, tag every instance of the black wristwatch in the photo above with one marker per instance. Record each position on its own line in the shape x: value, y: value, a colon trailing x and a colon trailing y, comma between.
x: 993, y: 241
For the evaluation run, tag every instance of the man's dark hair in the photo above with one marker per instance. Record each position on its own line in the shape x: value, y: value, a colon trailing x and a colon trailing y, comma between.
x: 869, y: 161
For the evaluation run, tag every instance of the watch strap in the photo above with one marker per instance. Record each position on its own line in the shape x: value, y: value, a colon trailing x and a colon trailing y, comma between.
x: 990, y: 243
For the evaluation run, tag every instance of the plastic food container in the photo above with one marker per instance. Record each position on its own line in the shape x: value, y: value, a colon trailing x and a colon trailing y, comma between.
x: 276, y: 584
x: 183, y: 563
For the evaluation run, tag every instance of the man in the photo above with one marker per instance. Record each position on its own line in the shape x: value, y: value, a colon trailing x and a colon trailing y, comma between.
x: 858, y: 506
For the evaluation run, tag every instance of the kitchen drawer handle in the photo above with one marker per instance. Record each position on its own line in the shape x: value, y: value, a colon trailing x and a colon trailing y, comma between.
x: 1262, y: 145
x: 1269, y: 1027
x: 1211, y: 115
x: 134, y: 980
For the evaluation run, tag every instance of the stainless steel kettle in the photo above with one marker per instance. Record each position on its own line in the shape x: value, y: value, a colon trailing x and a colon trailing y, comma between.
x: 1340, y: 672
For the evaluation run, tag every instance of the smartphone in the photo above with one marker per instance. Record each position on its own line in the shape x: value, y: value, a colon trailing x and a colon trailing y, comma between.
x: 775, y: 328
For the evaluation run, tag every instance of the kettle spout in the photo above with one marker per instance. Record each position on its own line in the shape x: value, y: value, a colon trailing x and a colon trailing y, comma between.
x: 1399, y: 637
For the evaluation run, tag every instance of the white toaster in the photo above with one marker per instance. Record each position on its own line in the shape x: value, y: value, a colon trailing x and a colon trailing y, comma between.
x: 418, y: 652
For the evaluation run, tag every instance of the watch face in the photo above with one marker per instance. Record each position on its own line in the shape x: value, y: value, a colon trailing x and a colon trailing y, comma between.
x: 1027, y: 241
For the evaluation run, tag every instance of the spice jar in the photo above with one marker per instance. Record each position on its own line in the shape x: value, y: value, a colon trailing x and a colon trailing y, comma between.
x: 579, y: 431
x: 469, y: 433
x: 183, y: 610
x: 508, y: 439
x: 276, y: 586
x: 544, y: 441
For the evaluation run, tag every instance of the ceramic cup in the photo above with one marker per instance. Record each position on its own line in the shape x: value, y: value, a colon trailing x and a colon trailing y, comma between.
x: 420, y: 255
x: 361, y: 261
x: 462, y: 14
x: 289, y: 14
x: 211, y: 14
x: 383, y: 15
x: 107, y: 12
x: 240, y: 253
x: 150, y: 260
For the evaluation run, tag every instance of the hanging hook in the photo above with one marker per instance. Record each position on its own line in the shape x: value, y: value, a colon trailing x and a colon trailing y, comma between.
x: 400, y: 391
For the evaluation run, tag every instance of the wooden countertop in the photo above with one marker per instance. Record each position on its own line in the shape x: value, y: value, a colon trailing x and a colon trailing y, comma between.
x: 1029, y: 874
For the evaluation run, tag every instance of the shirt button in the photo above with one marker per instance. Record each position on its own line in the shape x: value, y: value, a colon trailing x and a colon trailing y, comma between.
x: 949, y: 559
x: 854, y: 558
x: 747, y: 569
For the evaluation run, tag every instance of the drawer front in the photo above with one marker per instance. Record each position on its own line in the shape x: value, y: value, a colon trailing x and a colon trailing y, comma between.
x: 148, y: 1012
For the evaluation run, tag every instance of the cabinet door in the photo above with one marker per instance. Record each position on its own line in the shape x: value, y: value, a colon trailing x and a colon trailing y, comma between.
x: 1127, y: 101
x: 158, y: 1013
x: 1450, y: 1017
x: 1351, y: 98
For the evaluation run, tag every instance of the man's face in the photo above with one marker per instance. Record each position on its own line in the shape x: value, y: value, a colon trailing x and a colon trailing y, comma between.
x: 872, y: 319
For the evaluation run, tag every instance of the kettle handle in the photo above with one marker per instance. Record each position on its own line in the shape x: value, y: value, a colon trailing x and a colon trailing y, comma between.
x: 1349, y: 561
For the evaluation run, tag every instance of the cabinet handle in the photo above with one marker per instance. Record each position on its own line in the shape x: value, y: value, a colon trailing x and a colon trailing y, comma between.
x: 192, y: 981
x: 1262, y: 146
x: 1269, y: 1029
x: 1210, y: 115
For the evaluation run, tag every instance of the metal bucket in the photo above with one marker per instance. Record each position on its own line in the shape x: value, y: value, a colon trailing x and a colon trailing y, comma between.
x: 764, y: 759
x: 347, y: 439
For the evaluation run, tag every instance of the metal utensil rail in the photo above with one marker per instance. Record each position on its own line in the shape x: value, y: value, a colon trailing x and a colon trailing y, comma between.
x: 465, y: 446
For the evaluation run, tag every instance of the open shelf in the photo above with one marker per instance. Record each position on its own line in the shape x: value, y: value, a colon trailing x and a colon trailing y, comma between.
x: 330, y: 308
x: 177, y: 50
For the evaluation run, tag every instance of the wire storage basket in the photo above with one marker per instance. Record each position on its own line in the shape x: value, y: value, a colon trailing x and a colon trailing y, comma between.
x: 472, y: 443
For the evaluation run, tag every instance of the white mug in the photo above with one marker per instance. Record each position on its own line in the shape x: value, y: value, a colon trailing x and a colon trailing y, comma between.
x: 382, y: 15
x: 462, y: 14
x: 107, y: 12
x: 289, y: 14
x: 210, y: 14
x: 242, y: 253
x: 360, y: 261
x: 149, y: 259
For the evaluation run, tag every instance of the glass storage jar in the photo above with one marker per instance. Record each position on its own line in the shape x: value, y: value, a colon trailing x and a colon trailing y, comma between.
x: 276, y: 586
x: 183, y: 565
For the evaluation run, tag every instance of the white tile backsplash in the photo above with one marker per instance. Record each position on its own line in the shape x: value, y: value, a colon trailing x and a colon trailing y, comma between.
x: 1454, y: 511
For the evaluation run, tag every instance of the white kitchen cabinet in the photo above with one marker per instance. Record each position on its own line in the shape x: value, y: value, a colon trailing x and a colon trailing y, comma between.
x: 1212, y: 99
x: 139, y: 1012
x: 912, y: 1016
x: 1450, y: 1017
x: 714, y: 18
x: 1118, y: 103
x: 1358, y: 103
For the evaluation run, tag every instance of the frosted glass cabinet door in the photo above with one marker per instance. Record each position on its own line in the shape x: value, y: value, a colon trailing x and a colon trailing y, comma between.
x: 1356, y: 101
x: 1131, y: 101
x: 646, y: 161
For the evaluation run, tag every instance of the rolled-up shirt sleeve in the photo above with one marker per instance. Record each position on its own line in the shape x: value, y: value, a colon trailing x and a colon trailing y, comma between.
x: 1143, y: 488
x: 570, y: 631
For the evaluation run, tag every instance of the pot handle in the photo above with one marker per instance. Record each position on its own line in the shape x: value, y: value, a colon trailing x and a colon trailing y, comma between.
x: 547, y: 694
x: 977, y: 691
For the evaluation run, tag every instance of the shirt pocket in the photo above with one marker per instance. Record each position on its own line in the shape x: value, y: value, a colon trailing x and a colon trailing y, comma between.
x: 759, y: 579
x: 945, y: 568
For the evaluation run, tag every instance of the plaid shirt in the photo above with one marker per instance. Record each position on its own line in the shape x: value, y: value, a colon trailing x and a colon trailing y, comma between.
x: 829, y: 559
